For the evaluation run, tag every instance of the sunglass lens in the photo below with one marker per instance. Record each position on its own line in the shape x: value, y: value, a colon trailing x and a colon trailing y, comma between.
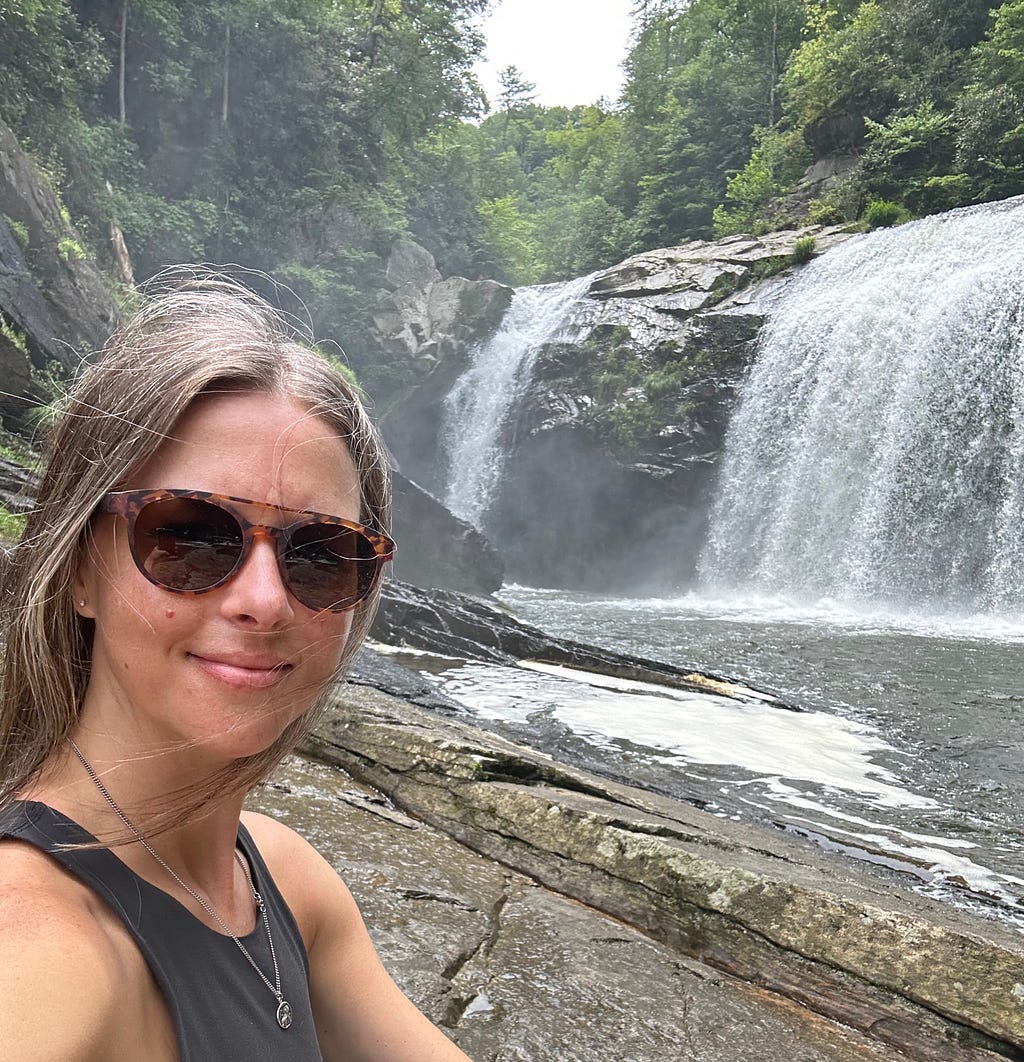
x: 330, y: 566
x: 186, y: 544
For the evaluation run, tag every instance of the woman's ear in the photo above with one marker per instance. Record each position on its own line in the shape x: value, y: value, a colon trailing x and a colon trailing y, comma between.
x: 81, y: 602
x: 81, y: 587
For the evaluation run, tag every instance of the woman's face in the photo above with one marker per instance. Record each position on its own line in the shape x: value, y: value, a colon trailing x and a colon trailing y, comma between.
x: 223, y: 672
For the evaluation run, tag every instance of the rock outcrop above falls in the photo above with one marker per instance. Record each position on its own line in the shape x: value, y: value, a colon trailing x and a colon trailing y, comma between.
x: 431, y: 319
x: 54, y: 304
x: 617, y: 438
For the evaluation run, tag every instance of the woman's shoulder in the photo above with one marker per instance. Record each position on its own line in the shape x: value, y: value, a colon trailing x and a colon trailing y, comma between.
x: 57, y: 950
x: 282, y: 849
x: 38, y: 895
x: 310, y: 886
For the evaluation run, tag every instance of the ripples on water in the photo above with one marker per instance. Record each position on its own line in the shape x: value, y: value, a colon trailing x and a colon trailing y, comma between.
x: 908, y: 752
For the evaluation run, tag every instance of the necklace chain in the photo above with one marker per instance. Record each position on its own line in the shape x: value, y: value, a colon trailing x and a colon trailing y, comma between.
x: 284, y: 1010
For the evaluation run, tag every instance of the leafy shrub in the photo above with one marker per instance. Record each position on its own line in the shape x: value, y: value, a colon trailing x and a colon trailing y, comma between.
x: 13, y: 336
x: 71, y: 250
x: 335, y: 357
x: 20, y: 230
x: 11, y: 524
x: 804, y: 249
x: 777, y: 161
x: 883, y: 213
x: 770, y: 267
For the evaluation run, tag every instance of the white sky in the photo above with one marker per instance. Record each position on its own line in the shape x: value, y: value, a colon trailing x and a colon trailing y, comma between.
x: 571, y: 49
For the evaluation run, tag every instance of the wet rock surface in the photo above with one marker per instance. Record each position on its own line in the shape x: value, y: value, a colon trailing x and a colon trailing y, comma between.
x: 514, y: 971
x: 809, y: 927
x: 446, y: 622
x: 694, y: 276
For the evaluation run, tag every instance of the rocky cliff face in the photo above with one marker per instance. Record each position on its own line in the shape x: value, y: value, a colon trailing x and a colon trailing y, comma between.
x: 54, y: 305
x: 610, y: 456
x: 431, y: 319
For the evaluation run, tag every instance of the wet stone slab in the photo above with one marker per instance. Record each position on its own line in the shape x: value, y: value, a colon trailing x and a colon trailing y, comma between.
x: 514, y: 971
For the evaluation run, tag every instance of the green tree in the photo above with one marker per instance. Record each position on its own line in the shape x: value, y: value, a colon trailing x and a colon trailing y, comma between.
x: 989, y: 114
x: 700, y: 79
x: 777, y: 161
x: 513, y: 234
x: 515, y: 92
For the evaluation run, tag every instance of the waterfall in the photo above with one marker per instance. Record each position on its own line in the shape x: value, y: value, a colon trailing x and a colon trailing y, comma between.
x: 877, y: 450
x: 478, y: 406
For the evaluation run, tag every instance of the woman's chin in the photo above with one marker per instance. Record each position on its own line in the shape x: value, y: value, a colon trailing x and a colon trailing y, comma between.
x: 242, y: 738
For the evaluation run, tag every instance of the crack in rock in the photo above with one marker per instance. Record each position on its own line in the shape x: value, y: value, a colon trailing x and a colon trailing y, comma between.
x: 451, y: 901
x: 463, y: 1005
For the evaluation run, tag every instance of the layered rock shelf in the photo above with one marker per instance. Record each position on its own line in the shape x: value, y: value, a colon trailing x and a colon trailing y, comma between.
x: 516, y: 972
x: 914, y: 977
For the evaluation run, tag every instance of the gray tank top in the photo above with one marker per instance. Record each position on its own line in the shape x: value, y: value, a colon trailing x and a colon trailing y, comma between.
x: 221, y: 1009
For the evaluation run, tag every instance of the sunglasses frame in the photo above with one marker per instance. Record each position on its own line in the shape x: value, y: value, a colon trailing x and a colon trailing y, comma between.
x: 130, y: 503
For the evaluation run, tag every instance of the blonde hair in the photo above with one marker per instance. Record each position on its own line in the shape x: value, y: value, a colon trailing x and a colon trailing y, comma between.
x: 199, y: 334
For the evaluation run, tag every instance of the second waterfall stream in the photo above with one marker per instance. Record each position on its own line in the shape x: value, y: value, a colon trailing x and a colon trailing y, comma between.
x: 484, y: 397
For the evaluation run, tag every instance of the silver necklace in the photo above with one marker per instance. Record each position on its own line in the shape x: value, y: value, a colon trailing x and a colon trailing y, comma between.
x: 284, y: 1008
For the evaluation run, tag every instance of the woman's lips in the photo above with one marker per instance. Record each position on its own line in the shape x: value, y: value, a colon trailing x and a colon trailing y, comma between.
x: 243, y: 674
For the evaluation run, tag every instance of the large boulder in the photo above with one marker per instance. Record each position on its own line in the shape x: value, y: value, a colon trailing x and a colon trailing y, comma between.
x: 833, y: 179
x: 428, y: 319
x: 437, y: 549
x: 55, y: 306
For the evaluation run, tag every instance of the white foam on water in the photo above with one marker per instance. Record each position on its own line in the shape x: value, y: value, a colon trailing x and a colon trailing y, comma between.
x: 747, y: 606
x: 684, y: 727
x: 796, y: 798
x: 613, y: 682
x: 397, y: 650
x: 937, y: 860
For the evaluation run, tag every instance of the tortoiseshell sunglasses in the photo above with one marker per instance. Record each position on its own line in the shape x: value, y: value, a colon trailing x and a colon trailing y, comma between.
x: 190, y: 541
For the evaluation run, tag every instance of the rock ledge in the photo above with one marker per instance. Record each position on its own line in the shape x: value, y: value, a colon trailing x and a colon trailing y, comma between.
x: 924, y: 979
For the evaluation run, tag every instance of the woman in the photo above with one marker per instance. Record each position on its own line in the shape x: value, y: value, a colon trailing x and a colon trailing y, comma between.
x: 178, y: 610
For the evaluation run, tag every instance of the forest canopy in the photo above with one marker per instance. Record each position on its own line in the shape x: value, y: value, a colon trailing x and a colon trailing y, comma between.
x: 302, y: 136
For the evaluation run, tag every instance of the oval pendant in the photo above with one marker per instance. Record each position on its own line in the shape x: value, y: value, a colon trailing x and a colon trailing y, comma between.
x: 284, y: 1014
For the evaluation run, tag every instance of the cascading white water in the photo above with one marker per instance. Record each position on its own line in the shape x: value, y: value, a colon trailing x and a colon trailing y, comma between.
x: 877, y: 451
x: 478, y: 405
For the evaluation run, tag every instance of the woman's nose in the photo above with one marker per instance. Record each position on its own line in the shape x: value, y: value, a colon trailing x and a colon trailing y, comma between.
x: 256, y: 595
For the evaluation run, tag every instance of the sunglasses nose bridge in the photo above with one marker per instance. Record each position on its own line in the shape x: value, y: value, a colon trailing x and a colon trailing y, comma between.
x: 276, y: 538
x: 273, y: 536
x: 254, y: 560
